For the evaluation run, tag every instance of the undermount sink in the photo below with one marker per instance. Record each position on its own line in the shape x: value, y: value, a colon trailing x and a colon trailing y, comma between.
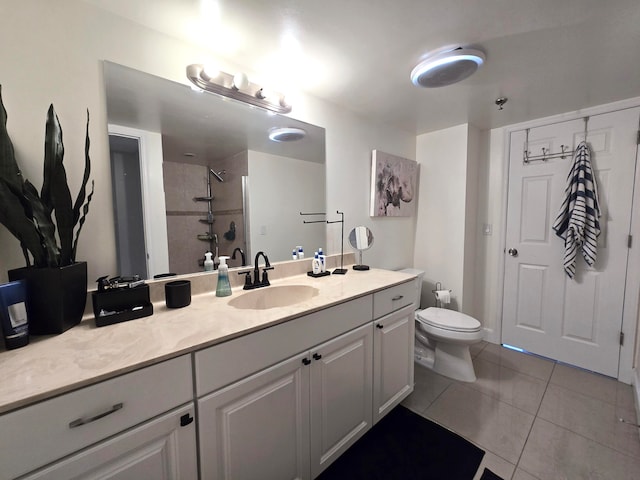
x: 273, y: 297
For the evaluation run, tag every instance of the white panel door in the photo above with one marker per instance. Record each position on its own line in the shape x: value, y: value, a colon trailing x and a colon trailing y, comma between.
x: 577, y: 321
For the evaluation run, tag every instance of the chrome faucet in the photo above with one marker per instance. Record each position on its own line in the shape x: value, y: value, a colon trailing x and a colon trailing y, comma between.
x: 257, y: 281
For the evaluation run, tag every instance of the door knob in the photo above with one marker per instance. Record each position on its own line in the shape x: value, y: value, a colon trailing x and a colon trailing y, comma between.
x: 513, y: 252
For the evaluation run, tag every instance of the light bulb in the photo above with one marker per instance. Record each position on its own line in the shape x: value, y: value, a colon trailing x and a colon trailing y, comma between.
x: 240, y: 80
x: 209, y: 72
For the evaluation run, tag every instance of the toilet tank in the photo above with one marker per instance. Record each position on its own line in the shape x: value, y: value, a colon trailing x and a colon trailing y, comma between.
x: 418, y: 284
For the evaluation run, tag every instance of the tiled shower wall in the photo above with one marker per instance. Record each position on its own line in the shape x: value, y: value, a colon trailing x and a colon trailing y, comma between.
x: 183, y: 182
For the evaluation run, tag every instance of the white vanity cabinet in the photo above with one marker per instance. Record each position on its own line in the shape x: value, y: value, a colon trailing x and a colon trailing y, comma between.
x: 280, y: 402
x: 394, y: 330
x: 292, y: 419
x: 161, y: 449
x: 88, y: 433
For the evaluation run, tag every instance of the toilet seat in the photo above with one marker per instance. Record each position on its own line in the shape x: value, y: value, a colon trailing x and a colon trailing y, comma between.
x: 448, y: 320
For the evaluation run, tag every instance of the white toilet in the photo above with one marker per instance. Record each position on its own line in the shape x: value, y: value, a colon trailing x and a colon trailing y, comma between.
x: 442, y: 342
x: 443, y: 337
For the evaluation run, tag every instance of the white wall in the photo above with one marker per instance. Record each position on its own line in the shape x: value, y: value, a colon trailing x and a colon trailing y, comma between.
x: 274, y: 211
x: 471, y: 221
x: 52, y: 52
x: 492, y: 186
x: 442, y: 205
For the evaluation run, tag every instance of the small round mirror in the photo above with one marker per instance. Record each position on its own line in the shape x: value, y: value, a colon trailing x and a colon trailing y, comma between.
x: 361, y: 239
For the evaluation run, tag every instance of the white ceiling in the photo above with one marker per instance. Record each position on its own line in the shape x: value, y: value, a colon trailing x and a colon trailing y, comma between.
x: 546, y: 56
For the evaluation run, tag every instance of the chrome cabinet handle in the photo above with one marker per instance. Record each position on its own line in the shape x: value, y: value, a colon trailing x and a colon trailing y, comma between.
x: 83, y: 421
x: 397, y: 297
x: 513, y: 252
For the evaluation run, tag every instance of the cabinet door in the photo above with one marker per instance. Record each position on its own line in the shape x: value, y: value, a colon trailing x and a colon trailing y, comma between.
x: 258, y: 427
x: 392, y: 360
x: 161, y: 449
x: 341, y: 395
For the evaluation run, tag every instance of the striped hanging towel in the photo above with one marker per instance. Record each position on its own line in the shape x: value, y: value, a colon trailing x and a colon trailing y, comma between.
x: 577, y: 223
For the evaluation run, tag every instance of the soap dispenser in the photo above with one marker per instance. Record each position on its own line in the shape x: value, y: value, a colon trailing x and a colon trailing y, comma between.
x: 224, y: 287
x: 208, y: 263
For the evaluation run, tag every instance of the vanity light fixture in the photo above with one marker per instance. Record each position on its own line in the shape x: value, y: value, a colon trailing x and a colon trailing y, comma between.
x: 447, y: 66
x: 237, y: 87
x: 286, y: 134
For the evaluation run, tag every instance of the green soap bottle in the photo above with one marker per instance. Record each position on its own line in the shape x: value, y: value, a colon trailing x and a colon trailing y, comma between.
x: 223, y: 288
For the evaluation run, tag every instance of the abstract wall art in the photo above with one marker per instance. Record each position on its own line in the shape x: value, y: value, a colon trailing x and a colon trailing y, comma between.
x: 393, y: 185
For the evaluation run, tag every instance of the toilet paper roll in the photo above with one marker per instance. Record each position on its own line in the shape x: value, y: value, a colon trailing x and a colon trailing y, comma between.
x: 444, y: 296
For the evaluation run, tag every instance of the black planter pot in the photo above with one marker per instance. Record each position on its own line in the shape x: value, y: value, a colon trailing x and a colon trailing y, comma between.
x: 56, y: 297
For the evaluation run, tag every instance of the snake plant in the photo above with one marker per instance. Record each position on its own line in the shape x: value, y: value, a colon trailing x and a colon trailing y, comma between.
x: 33, y: 218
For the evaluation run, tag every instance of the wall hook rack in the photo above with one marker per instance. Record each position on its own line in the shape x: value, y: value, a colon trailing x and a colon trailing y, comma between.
x: 547, y: 154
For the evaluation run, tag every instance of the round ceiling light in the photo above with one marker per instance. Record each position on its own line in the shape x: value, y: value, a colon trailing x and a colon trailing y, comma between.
x: 286, y: 134
x: 446, y: 68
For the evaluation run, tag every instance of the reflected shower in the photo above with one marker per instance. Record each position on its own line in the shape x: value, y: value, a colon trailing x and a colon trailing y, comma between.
x: 209, y: 236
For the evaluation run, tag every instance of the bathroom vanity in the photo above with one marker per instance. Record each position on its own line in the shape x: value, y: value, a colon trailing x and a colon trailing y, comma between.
x: 212, y: 391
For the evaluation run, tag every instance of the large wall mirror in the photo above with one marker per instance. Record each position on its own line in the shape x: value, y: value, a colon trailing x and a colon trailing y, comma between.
x: 193, y: 172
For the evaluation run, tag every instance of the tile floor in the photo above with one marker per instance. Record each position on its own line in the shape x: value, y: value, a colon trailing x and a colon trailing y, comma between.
x: 535, y: 419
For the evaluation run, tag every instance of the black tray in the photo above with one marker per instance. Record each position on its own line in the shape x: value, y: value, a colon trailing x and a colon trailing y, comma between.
x: 124, y: 316
x: 316, y: 275
x: 127, y: 303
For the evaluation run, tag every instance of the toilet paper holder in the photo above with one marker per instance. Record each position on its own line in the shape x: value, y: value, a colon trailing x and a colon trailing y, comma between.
x: 437, y: 289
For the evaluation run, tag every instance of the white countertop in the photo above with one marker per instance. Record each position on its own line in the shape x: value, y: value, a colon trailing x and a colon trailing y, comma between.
x: 85, y: 354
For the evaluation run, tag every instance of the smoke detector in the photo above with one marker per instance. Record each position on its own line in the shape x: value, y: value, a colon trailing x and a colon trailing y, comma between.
x: 446, y: 67
x: 286, y: 134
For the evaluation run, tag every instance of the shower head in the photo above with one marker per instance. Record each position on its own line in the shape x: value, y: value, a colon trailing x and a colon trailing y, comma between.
x: 217, y: 175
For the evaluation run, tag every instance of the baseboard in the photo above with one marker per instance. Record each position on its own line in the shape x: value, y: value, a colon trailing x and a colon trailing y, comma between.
x: 636, y: 393
x: 491, y: 335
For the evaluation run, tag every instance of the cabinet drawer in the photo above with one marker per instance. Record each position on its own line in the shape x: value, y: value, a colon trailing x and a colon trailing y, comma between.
x: 394, y: 298
x: 156, y: 449
x: 36, y: 435
x: 228, y: 362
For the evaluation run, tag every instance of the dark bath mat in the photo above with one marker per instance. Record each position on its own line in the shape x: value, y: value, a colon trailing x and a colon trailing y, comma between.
x: 489, y: 475
x: 406, y: 446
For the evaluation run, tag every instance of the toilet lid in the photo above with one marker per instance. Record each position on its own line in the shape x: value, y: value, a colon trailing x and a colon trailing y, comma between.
x: 448, y: 320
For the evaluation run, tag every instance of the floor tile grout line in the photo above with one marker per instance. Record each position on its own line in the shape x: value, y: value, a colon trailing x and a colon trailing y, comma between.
x: 526, y: 374
x: 571, y: 430
x: 438, y: 396
x: 535, y: 417
x: 498, y: 397
x: 584, y: 393
x: 606, y: 445
x: 500, y: 363
x: 556, y: 373
x: 465, y: 384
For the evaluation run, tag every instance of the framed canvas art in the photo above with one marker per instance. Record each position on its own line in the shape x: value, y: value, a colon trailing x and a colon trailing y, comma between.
x: 393, y: 185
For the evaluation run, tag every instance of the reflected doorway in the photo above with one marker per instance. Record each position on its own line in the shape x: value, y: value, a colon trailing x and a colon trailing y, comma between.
x: 127, y: 205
